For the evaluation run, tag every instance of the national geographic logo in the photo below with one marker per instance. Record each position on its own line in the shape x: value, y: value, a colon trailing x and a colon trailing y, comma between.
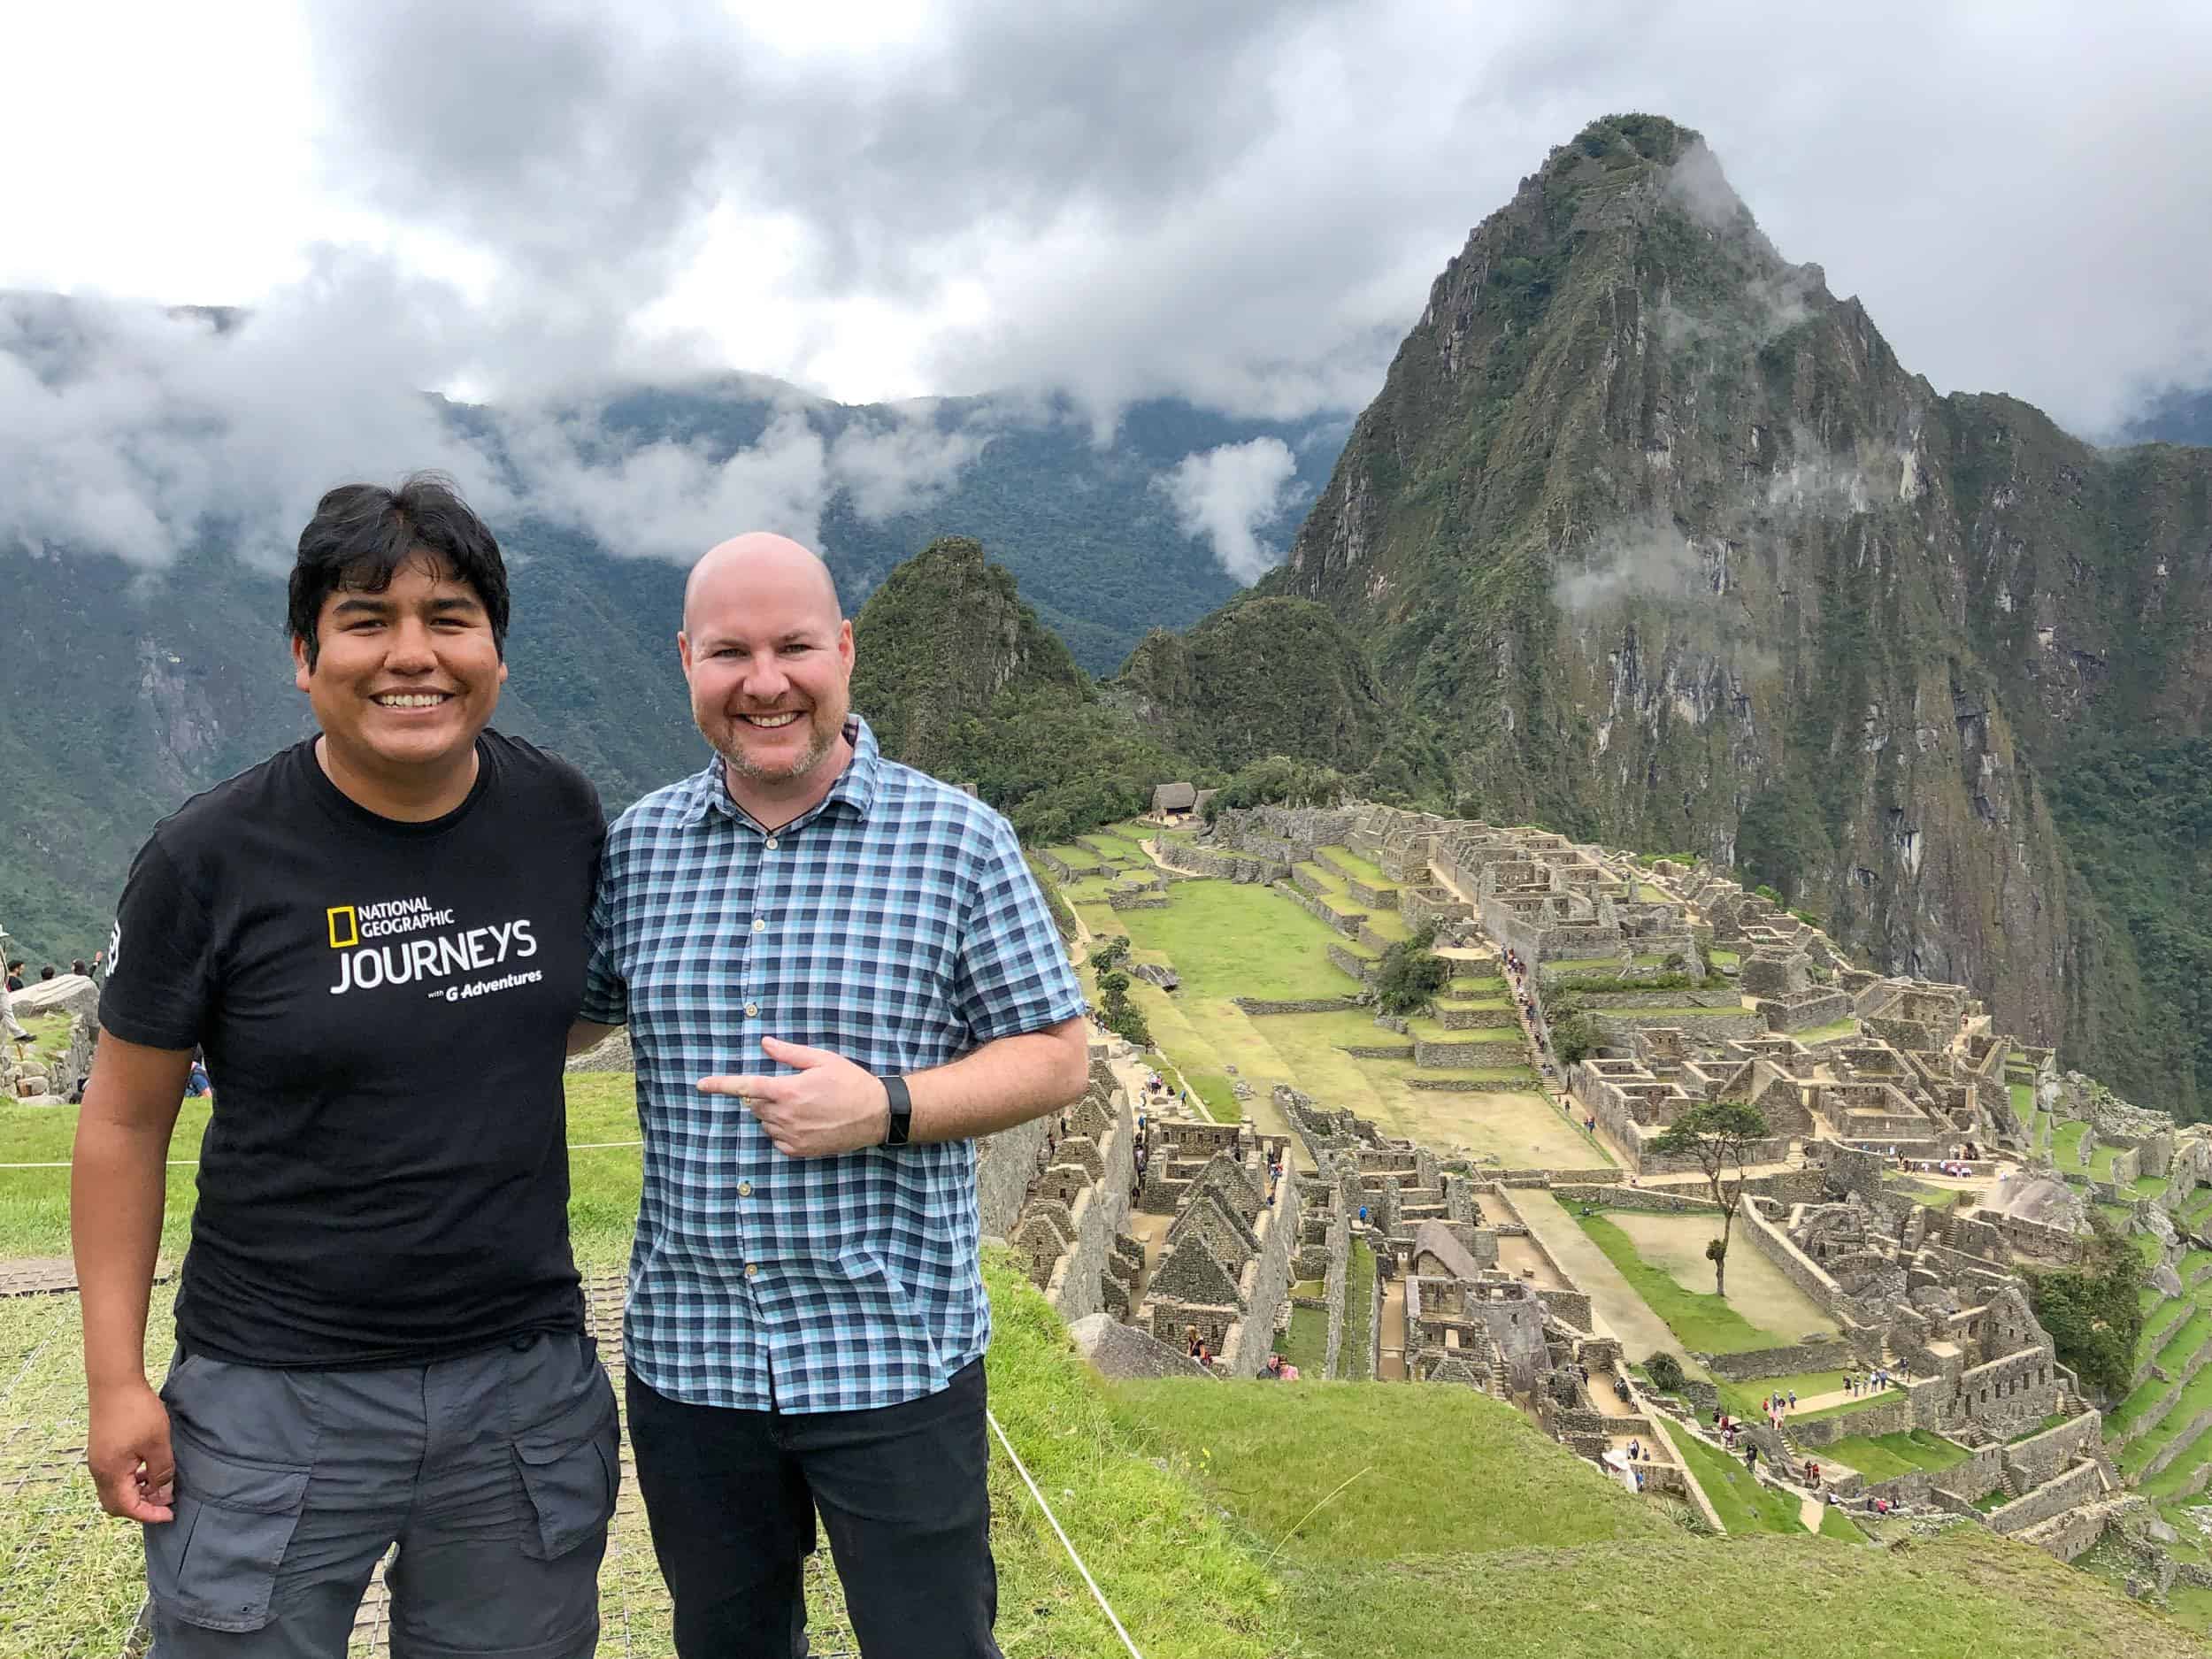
x: 413, y: 941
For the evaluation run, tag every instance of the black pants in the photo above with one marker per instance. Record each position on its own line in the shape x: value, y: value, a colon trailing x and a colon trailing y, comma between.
x: 731, y: 1496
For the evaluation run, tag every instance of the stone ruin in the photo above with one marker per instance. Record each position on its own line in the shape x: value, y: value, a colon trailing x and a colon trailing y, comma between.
x: 1225, y: 1261
x: 36, y: 1080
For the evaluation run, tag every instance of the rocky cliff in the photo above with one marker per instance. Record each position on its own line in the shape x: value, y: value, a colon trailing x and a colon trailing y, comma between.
x: 1680, y: 554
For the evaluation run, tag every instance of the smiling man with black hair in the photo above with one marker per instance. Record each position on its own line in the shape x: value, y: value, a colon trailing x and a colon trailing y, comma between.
x: 377, y: 936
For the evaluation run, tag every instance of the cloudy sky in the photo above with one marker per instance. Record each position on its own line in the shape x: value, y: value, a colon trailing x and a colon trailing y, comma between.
x: 1239, y: 203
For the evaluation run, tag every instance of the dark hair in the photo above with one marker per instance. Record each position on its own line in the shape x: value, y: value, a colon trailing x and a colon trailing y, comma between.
x: 362, y: 533
x: 77, y: 966
x: 46, y: 973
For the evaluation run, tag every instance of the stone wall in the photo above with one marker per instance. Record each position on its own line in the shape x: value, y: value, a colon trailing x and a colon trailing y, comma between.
x: 1652, y: 1198
x: 1101, y: 1216
x: 1717, y: 1026
x: 1782, y: 1362
x: 1005, y: 1164
x: 1229, y: 866
x: 1806, y: 1013
x: 1258, y: 1005
x: 1572, y: 1306
x: 1351, y: 962
x: 2041, y: 1458
x: 2078, y: 1486
x: 1799, y: 1267
x: 1265, y: 1283
x: 1891, y: 1415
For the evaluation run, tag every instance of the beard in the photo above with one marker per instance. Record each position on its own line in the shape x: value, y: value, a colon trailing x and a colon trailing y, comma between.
x: 823, y: 734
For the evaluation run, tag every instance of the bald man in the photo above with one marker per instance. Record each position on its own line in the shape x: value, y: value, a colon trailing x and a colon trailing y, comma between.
x: 837, y: 973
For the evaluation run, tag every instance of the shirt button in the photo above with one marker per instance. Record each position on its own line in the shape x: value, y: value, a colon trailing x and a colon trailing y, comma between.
x: 752, y: 1270
x: 760, y: 924
x: 751, y: 1008
x: 772, y: 843
x: 745, y: 1190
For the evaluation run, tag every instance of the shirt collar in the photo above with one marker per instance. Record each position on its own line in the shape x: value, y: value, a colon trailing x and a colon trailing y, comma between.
x: 855, y: 786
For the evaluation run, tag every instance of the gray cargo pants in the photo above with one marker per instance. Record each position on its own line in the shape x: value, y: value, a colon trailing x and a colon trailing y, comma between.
x: 494, y: 1473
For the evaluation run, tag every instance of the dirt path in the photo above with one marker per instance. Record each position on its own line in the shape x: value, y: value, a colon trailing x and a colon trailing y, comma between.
x: 1391, y: 1368
x: 1613, y: 1303
x: 1152, y: 851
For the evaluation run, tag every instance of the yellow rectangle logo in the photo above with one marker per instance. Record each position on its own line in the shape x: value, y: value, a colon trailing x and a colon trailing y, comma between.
x: 352, y: 925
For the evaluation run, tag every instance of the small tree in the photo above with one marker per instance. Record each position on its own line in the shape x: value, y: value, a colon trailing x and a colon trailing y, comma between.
x: 1574, y: 1034
x: 1411, y: 974
x: 1665, y: 1373
x: 1122, y: 1016
x: 1109, y: 956
x: 1717, y: 1134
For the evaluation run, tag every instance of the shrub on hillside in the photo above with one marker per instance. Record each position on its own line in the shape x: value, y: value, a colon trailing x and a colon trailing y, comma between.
x: 1411, y: 974
x: 2094, y: 1312
x: 1665, y: 1373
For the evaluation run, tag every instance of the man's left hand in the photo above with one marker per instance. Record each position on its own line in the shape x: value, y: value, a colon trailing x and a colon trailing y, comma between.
x: 830, y: 1105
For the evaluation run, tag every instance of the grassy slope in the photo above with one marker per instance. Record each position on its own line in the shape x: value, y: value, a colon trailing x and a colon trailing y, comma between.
x: 1462, y: 1531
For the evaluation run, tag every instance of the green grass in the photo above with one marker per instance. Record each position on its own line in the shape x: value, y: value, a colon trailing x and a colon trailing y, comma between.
x: 1743, y: 1398
x: 1271, y: 1452
x: 1724, y: 958
x: 1459, y: 1527
x: 2066, y: 1145
x: 2169, y: 1481
x: 1831, y: 1032
x: 1743, y: 1505
x: 1885, y: 1456
x: 1370, y: 873
x: 1760, y: 1597
x: 2023, y: 1101
x: 1352, y: 1358
x: 1835, y: 1524
x: 49, y: 1037
x: 2185, y: 1342
x: 1702, y: 1322
x: 1227, y: 940
x: 2194, y: 1398
x: 1306, y: 1344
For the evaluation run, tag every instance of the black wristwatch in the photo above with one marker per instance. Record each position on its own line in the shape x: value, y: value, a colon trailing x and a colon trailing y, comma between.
x: 901, y: 1123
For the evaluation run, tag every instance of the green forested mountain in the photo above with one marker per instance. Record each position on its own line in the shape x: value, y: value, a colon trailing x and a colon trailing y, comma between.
x: 124, y: 689
x: 1676, y: 554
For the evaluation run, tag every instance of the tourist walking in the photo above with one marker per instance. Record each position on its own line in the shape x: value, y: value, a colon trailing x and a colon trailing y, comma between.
x: 379, y: 1329
x: 837, y: 973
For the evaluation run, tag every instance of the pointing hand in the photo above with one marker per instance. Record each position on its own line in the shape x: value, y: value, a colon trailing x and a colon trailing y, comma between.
x: 828, y: 1105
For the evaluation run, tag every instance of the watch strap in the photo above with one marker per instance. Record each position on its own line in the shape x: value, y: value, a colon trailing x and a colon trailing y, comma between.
x: 902, y: 1121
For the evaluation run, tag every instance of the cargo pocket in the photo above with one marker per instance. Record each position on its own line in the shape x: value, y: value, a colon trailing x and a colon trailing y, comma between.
x: 570, y: 1484
x: 215, y: 1564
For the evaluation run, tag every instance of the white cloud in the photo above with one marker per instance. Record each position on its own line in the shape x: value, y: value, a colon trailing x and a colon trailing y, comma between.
x: 894, y: 467
x: 1227, y: 493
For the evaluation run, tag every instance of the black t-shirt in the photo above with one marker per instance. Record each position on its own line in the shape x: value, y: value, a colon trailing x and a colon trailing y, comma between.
x: 384, y: 1007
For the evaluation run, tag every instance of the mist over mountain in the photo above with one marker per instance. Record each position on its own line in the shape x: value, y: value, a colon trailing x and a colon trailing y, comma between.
x: 147, y: 506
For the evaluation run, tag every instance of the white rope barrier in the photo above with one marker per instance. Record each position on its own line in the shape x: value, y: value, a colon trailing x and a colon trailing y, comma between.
x: 1104, y: 1606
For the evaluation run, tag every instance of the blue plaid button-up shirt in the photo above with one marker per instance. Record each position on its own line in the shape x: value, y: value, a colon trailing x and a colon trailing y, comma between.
x: 894, y: 924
